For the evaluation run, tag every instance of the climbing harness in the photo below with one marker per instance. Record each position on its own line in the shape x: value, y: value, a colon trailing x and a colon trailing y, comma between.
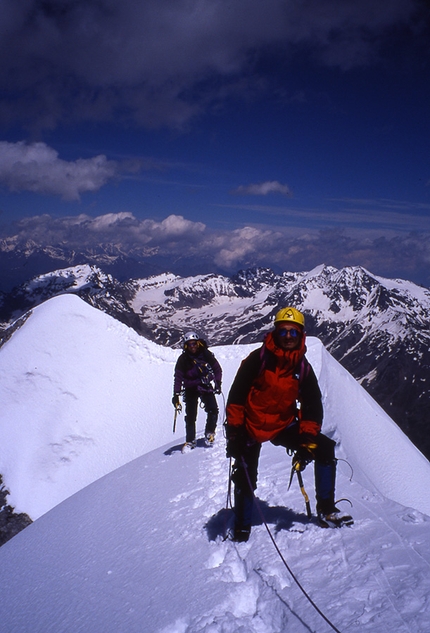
x: 207, y: 374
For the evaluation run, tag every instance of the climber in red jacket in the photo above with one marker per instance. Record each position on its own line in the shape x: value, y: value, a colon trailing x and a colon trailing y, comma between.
x: 275, y: 397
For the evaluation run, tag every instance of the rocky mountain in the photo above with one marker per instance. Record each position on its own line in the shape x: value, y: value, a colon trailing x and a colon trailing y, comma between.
x: 376, y: 328
x: 89, y: 282
x: 23, y: 259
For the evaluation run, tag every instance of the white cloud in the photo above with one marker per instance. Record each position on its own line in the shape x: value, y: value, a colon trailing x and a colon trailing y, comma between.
x: 37, y: 167
x: 174, y: 228
x: 122, y: 229
x: 239, y: 245
x: 263, y: 188
x: 178, y: 241
x: 109, y: 221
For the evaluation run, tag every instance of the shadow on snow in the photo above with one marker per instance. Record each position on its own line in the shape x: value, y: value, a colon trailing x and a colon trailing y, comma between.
x: 280, y: 517
x: 178, y: 447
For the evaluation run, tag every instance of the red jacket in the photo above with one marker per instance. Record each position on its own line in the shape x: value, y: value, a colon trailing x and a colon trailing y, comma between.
x: 267, y: 387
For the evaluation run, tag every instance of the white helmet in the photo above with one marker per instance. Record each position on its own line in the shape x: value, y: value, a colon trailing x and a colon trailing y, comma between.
x: 190, y: 336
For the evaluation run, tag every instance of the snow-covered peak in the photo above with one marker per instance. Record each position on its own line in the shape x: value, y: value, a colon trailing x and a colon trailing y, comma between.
x: 81, y: 276
x: 76, y: 402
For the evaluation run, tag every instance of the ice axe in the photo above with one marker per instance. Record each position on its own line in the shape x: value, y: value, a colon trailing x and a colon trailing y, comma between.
x: 178, y: 409
x: 297, y: 467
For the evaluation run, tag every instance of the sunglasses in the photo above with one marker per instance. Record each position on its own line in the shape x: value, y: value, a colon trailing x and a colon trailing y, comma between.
x: 293, y: 333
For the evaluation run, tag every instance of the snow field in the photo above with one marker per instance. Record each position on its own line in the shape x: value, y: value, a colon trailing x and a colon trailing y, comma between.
x: 141, y: 547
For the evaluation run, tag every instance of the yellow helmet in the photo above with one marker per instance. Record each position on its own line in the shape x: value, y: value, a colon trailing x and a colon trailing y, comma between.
x: 291, y: 315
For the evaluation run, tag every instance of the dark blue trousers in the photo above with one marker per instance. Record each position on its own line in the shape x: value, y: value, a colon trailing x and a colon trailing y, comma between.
x: 208, y: 399
x: 245, y: 472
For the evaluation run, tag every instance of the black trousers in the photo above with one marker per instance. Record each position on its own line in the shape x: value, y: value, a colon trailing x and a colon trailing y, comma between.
x: 245, y: 472
x: 191, y: 397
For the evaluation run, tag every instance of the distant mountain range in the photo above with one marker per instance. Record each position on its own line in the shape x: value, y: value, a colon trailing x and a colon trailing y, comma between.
x: 21, y: 260
x: 377, y: 328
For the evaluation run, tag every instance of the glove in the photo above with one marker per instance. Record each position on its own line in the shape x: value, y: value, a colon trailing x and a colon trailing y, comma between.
x: 217, y: 389
x: 175, y: 400
x: 306, y: 451
x: 309, y: 428
x: 308, y: 442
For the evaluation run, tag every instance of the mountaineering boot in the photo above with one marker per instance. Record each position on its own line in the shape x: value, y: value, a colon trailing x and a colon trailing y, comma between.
x: 334, y: 519
x: 209, y: 439
x: 188, y: 446
x: 243, y: 505
x: 241, y: 534
x: 210, y: 427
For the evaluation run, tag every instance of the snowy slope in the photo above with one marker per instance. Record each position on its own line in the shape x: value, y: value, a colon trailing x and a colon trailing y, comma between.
x: 89, y: 395
x: 141, y: 549
x: 73, y: 383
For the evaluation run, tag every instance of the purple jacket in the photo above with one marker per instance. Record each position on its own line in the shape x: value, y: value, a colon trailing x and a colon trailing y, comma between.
x: 199, y: 371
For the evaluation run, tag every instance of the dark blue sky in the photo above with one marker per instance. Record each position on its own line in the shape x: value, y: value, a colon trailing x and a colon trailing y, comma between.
x: 243, y: 133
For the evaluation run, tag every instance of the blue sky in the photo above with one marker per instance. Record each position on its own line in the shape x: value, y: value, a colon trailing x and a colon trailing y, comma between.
x: 283, y: 134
